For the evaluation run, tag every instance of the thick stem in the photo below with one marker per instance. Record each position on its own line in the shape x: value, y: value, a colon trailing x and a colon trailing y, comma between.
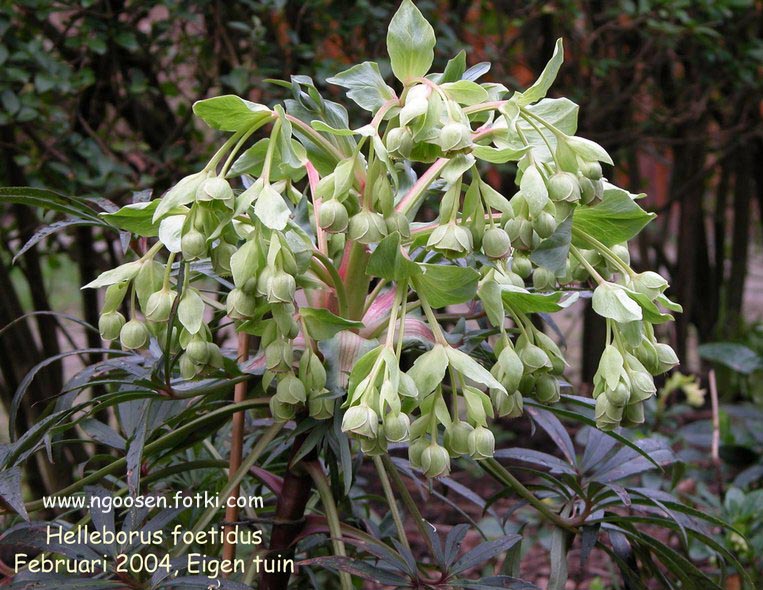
x: 356, y: 281
x: 236, y: 450
x: 290, y: 515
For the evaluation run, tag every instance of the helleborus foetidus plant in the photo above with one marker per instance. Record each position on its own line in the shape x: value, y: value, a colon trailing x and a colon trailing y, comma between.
x: 310, y: 230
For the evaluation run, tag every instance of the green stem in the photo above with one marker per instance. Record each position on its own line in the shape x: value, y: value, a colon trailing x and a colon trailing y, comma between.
x: 543, y: 137
x: 341, y: 293
x: 229, y: 161
x: 503, y: 475
x: 316, y: 137
x: 212, y: 164
x: 356, y: 281
x: 332, y: 516
x: 591, y: 270
x: 391, y: 501
x: 266, y: 165
x: 604, y: 250
x: 410, y: 505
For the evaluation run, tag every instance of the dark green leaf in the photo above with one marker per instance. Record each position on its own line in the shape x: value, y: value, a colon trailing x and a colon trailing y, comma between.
x: 322, y: 324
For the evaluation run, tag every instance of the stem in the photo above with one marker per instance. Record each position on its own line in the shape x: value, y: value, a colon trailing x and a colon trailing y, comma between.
x: 418, y: 190
x: 236, y: 450
x: 591, y: 270
x: 373, y: 295
x: 270, y: 151
x: 605, y: 251
x: 410, y: 504
x: 236, y: 148
x: 356, y: 281
x: 543, y: 137
x: 315, y: 137
x: 504, y: 476
x: 212, y: 164
x: 332, y: 517
x: 391, y: 501
x: 341, y: 293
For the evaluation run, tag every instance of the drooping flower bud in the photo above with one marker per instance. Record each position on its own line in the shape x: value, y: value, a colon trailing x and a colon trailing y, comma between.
x: 278, y: 356
x: 455, y: 136
x: 280, y: 410
x: 221, y: 258
x: 618, y: 396
x: 360, y: 420
x: 397, y: 427
x: 321, y: 405
x: 216, y: 189
x: 291, y: 390
x: 521, y: 265
x: 399, y: 142
x: 587, y: 190
x: 496, y: 243
x: 649, y: 283
x: 481, y: 443
x: 508, y: 368
x: 547, y: 388
x: 110, y: 324
x: 134, y: 335
x: 115, y: 294
x: 666, y: 357
x: 376, y: 446
x: 563, y: 186
x: 456, y: 437
x: 281, y: 288
x: 591, y: 170
x: 451, y: 239
x: 193, y: 244
x: 415, y: 450
x: 188, y: 369
x: 367, y: 227
x: 534, y: 358
x: 398, y: 222
x: 435, y: 461
x: 544, y: 224
x: 543, y: 279
x: 159, y: 305
x: 240, y: 305
x: 507, y: 405
x: 332, y: 216
x: 197, y: 350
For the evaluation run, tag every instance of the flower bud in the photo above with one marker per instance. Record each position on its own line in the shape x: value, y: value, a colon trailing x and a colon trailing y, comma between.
x: 527, y: 384
x: 544, y: 224
x: 159, y: 305
x: 435, y: 461
x: 481, y: 443
x: 281, y: 288
x: 193, y: 244
x: 633, y: 414
x: 115, y: 294
x: 291, y: 390
x: 360, y: 420
x: 543, y: 279
x: 587, y: 190
x: 649, y: 283
x: 451, y: 239
x: 399, y: 142
x: 534, y: 358
x: 221, y: 255
x: 622, y: 252
x: 216, y: 189
x: 521, y: 265
x: 455, y: 136
x: 397, y: 427
x: 456, y: 437
x: 508, y: 405
x: 110, y: 324
x: 332, y: 216
x: 508, y: 369
x: 618, y: 396
x: 188, y: 369
x: 216, y: 359
x: 197, y: 350
x: 239, y: 305
x: 642, y: 386
x: 398, y: 222
x: 367, y: 227
x: 280, y: 410
x: 376, y: 446
x: 321, y: 406
x: 666, y: 357
x: 134, y: 335
x: 278, y: 356
x: 547, y: 388
x: 563, y: 186
x: 591, y: 170
x: 415, y: 449
x: 496, y: 243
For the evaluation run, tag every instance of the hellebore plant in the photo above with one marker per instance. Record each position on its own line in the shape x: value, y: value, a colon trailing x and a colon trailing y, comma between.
x: 314, y: 237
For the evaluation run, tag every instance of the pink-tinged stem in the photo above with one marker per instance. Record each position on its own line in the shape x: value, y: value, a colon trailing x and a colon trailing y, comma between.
x: 418, y: 189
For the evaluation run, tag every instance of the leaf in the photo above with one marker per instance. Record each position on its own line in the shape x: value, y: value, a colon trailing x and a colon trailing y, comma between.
x: 445, y: 284
x: 271, y: 209
x: 470, y: 368
x: 484, y: 552
x: 553, y: 464
x: 588, y: 150
x: 231, y: 113
x: 358, y: 568
x: 498, y: 155
x: 10, y: 490
x: 322, y: 324
x: 615, y: 220
x: 489, y: 293
x: 558, y: 556
x: 48, y: 200
x: 454, y: 69
x: 610, y: 366
x: 465, y: 92
x: 555, y: 430
x: 540, y: 87
x: 48, y: 230
x: 522, y: 301
x: 135, y: 218
x: 124, y: 272
x: 611, y: 301
x: 429, y: 370
x: 410, y: 43
x: 737, y: 357
x: 191, y: 310
x: 534, y: 190
x: 170, y: 232
x: 552, y: 253
x: 388, y: 262
x: 365, y: 85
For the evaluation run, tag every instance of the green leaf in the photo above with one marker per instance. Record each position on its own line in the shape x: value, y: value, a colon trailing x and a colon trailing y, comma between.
x: 10, y: 490
x: 534, y: 189
x: 322, y: 324
x: 231, y: 113
x: 588, y: 150
x: 615, y: 220
x: 136, y: 218
x: 465, y: 92
x: 429, y: 370
x: 124, y: 272
x: 271, y: 209
x: 489, y: 293
x: 446, y: 285
x: 610, y: 366
x: 48, y: 200
x: 191, y: 310
x: 365, y: 85
x: 470, y: 368
x: 522, y: 301
x: 410, y: 43
x: 388, y: 262
x: 454, y: 69
x: 552, y: 252
x: 498, y: 155
x: 738, y: 357
x: 540, y: 88
x: 611, y: 301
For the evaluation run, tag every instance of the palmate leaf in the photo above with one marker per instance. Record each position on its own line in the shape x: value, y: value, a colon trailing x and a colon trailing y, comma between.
x: 483, y: 553
x: 615, y: 220
x: 361, y: 569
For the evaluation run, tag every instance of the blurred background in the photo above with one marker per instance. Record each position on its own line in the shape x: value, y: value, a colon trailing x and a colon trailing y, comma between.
x: 95, y: 101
